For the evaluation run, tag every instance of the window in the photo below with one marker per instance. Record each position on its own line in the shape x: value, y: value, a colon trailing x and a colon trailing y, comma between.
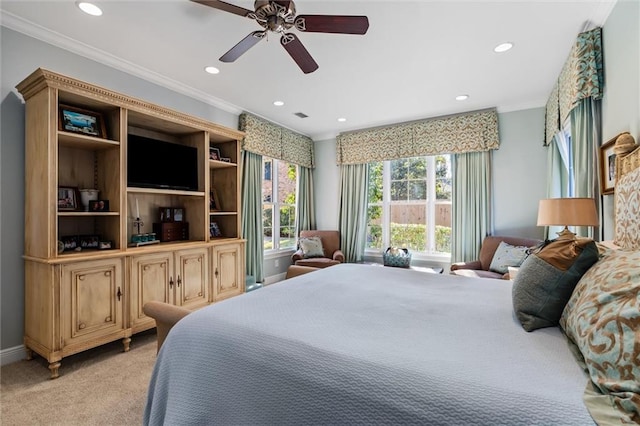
x: 410, y: 204
x: 279, y: 186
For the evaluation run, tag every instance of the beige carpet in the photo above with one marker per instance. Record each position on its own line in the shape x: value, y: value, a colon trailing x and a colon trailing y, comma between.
x: 102, y: 386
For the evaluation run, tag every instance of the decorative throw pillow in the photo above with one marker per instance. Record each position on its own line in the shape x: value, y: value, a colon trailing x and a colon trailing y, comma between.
x: 311, y: 247
x: 603, y: 318
x: 507, y: 255
x: 627, y: 205
x: 547, y: 278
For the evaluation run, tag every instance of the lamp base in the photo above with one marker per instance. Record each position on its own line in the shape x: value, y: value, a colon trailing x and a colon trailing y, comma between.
x: 565, y: 234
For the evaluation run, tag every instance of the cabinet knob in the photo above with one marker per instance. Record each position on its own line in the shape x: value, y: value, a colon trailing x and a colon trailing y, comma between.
x: 107, y: 319
x: 119, y: 293
x: 216, y: 273
x: 81, y: 326
x: 170, y: 282
x: 107, y: 274
x: 179, y: 281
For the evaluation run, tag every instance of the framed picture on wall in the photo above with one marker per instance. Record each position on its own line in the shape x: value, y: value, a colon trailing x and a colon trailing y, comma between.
x: 608, y: 167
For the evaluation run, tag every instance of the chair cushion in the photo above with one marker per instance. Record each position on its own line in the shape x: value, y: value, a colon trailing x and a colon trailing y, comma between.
x: 547, y: 278
x: 317, y: 262
x: 311, y: 247
x: 507, y: 255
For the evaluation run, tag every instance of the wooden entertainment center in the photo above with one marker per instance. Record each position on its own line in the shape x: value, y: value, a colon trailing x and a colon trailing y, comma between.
x: 80, y: 298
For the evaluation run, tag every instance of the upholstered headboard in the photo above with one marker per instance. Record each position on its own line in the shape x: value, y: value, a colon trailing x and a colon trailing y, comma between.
x: 627, y: 195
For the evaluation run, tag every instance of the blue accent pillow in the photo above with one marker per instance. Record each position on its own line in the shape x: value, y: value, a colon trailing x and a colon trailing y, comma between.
x: 507, y: 255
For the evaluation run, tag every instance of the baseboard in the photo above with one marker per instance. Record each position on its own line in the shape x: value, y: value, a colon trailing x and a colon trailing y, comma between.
x: 274, y: 278
x: 10, y: 355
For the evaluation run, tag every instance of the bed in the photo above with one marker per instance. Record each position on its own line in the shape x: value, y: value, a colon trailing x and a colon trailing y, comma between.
x: 362, y: 344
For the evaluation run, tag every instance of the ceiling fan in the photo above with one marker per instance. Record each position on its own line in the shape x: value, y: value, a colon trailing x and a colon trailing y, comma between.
x: 279, y: 17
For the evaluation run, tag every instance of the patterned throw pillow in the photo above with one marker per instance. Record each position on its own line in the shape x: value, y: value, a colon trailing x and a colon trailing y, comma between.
x: 627, y: 231
x: 507, y: 255
x: 603, y: 319
x: 311, y: 247
x: 547, y: 278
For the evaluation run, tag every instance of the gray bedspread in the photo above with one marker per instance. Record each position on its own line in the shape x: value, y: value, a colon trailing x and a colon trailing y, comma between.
x: 370, y: 345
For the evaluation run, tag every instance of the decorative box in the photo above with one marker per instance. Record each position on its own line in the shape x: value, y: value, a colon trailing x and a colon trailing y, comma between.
x: 171, y: 231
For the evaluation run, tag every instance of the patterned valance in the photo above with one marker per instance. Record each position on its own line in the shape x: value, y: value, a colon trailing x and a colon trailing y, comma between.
x: 470, y: 132
x: 581, y: 77
x: 552, y: 116
x: 266, y: 138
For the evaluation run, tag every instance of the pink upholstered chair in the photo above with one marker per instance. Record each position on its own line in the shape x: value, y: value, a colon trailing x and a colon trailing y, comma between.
x: 330, y: 245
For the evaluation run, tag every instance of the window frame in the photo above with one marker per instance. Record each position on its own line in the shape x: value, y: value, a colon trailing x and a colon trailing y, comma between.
x: 430, y: 212
x: 276, y: 205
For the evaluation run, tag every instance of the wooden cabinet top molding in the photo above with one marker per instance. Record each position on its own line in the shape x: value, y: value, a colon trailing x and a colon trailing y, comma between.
x: 42, y: 78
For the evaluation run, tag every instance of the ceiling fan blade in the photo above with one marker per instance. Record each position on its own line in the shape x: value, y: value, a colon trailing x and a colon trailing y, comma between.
x: 332, y: 24
x: 227, y: 7
x: 245, y: 44
x: 298, y: 52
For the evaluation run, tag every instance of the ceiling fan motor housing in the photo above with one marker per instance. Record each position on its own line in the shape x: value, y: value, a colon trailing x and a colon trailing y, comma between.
x: 274, y: 16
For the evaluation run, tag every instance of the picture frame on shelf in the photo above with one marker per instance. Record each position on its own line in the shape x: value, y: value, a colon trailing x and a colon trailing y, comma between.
x: 69, y: 242
x: 225, y: 159
x: 608, y: 167
x: 178, y: 214
x: 166, y: 214
x: 78, y: 120
x: 214, y: 230
x: 214, y: 153
x: 68, y: 197
x: 214, y: 201
x: 99, y: 206
x: 89, y: 241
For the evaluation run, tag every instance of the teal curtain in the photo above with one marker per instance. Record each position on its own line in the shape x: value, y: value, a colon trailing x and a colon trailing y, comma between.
x: 252, y: 213
x: 471, y: 204
x: 306, y: 211
x: 586, y: 121
x: 354, y: 179
x: 559, y: 179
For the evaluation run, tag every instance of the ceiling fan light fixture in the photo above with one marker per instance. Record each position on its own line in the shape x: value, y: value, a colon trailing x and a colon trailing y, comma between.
x: 462, y: 97
x: 278, y: 103
x: 89, y: 8
x: 212, y: 70
x: 503, y: 47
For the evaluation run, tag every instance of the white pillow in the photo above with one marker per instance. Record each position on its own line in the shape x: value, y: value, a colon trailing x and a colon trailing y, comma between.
x: 311, y: 247
x: 507, y: 255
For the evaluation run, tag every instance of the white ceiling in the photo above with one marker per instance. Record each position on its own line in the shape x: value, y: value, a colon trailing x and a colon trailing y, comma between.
x: 415, y: 59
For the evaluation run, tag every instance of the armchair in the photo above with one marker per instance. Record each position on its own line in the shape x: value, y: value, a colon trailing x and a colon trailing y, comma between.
x: 166, y: 316
x: 481, y: 267
x: 330, y: 245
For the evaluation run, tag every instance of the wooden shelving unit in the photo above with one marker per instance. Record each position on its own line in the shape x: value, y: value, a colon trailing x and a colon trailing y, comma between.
x: 76, y: 300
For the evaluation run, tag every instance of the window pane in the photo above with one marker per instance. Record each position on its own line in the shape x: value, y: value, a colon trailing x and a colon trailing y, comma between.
x: 399, y: 169
x: 267, y: 224
x: 417, y: 168
x: 286, y: 183
x: 267, y: 183
x: 374, y: 227
x: 443, y: 177
x: 408, y: 226
x: 418, y: 190
x: 375, y: 182
x: 443, y: 226
x: 399, y: 190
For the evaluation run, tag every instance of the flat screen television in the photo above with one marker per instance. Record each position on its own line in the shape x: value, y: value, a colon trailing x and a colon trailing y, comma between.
x: 153, y: 163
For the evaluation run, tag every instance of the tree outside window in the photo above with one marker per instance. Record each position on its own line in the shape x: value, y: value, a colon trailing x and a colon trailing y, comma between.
x: 410, y: 204
x: 279, y: 204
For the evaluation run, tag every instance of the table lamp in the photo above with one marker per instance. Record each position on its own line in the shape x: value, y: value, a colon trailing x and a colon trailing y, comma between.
x: 567, y: 212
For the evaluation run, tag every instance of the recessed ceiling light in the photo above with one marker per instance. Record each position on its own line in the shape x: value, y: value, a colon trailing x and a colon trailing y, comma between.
x: 503, y: 47
x: 89, y: 8
x: 212, y: 70
x: 462, y: 97
x: 278, y: 103
x: 342, y: 119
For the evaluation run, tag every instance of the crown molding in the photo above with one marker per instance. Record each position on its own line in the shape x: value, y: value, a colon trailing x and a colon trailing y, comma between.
x: 38, y: 32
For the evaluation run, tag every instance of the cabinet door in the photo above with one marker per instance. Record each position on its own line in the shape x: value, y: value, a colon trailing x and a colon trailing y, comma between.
x: 151, y: 279
x: 92, y: 300
x: 192, y: 272
x: 228, y: 270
